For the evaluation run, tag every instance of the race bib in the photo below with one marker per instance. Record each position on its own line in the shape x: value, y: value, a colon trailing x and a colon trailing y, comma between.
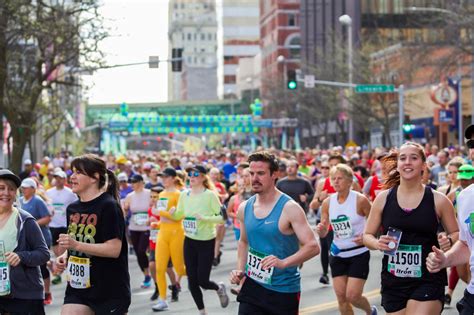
x: 78, y: 272
x: 5, y: 285
x: 406, y: 262
x: 153, y: 235
x: 442, y: 178
x: 190, y: 225
x: 162, y: 204
x: 59, y: 209
x: 140, y: 218
x: 254, y: 270
x: 342, y: 227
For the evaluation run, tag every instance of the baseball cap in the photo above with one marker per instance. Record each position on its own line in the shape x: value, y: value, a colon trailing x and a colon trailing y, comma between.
x: 200, y: 168
x: 121, y: 160
x: 28, y: 183
x: 7, y: 174
x: 466, y: 172
x: 27, y: 162
x: 60, y: 173
x: 147, y: 166
x: 169, y: 171
x: 122, y: 177
x: 136, y: 178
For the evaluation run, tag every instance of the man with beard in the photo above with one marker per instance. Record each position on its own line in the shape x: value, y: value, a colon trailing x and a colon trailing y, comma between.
x: 275, y: 239
x: 295, y: 186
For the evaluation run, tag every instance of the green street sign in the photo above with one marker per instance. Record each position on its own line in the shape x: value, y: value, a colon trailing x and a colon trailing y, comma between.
x: 375, y: 88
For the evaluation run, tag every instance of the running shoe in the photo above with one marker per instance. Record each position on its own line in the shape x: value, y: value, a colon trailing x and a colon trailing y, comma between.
x: 223, y: 297
x: 374, y: 310
x: 162, y: 305
x: 48, y: 299
x: 170, y: 286
x: 324, y: 279
x: 217, y: 260
x: 56, y: 280
x: 174, y: 293
x: 155, y: 295
x: 447, y: 299
x: 146, y: 282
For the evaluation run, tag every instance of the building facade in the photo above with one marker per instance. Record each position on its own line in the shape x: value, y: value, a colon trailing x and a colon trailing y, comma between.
x: 238, y: 38
x: 193, y: 27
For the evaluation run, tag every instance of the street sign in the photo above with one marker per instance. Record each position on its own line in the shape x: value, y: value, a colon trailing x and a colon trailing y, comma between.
x: 309, y: 81
x: 375, y: 88
x: 153, y: 61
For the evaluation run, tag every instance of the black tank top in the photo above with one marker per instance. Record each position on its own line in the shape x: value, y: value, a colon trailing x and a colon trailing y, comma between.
x: 419, y: 233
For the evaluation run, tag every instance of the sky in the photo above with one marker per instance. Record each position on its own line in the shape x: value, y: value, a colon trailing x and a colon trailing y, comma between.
x: 138, y: 29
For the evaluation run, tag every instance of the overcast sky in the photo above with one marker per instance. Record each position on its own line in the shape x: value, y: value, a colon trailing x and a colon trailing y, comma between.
x: 138, y: 29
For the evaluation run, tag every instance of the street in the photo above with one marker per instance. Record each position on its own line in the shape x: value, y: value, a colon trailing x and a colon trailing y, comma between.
x: 315, y: 298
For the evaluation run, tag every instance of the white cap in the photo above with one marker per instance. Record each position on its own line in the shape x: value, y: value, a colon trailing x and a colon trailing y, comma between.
x: 122, y: 177
x: 60, y: 173
x: 28, y: 183
x: 27, y: 162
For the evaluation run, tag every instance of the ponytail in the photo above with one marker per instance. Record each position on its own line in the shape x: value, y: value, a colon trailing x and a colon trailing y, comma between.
x: 112, y: 185
x: 389, y: 163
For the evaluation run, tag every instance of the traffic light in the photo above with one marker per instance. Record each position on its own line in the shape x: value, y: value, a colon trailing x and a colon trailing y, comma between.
x: 407, y: 131
x: 176, y: 59
x: 291, y: 82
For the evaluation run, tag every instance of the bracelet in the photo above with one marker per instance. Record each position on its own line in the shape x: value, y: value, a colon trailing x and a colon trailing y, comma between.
x: 450, y: 241
x: 319, y: 200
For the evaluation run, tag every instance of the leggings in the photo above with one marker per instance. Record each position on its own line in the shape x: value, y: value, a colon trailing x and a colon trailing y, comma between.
x: 44, y: 271
x: 140, y: 240
x: 198, y: 256
x: 325, y: 245
x: 169, y: 244
x: 453, y: 278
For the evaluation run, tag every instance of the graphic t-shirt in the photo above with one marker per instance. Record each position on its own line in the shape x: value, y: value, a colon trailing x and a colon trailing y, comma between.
x: 98, y: 221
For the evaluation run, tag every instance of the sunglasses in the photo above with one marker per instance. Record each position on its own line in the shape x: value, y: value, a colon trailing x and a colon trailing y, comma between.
x: 193, y: 174
x: 325, y: 167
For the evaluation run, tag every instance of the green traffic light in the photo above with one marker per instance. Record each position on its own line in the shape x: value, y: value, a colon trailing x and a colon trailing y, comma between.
x: 292, y: 85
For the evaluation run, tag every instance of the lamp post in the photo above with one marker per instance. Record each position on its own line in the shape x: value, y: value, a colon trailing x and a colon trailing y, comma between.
x: 346, y: 20
x: 282, y: 59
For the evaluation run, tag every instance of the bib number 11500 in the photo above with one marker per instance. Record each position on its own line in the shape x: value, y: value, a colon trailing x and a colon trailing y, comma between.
x: 406, y: 262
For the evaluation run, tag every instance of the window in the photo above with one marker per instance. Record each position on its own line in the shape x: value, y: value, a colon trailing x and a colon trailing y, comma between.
x: 203, y: 36
x: 294, y: 47
x: 189, y: 59
x: 175, y: 6
x: 183, y: 37
x: 203, y: 60
x: 189, y: 36
x: 203, y: 49
x: 209, y: 36
x: 291, y: 19
x: 195, y: 36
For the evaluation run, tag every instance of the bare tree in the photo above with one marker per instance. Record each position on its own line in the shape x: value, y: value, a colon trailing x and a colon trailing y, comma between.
x: 42, y: 46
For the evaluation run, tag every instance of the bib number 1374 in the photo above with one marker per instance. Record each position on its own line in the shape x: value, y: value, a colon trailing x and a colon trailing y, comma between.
x: 254, y: 269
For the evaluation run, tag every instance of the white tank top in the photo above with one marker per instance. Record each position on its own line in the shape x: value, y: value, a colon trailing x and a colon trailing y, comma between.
x: 139, y: 204
x: 346, y: 224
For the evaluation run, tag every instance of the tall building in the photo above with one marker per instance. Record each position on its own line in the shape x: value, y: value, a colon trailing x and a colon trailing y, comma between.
x: 193, y: 27
x: 239, y: 36
x: 279, y: 36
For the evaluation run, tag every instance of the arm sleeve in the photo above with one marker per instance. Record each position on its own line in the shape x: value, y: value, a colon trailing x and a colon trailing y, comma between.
x: 215, y: 207
x: 113, y: 222
x: 38, y: 253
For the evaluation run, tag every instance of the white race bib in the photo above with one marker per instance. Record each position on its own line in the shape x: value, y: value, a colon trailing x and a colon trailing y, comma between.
x: 154, y: 234
x: 342, y: 227
x: 78, y: 272
x: 5, y: 285
x: 59, y: 209
x: 190, y: 225
x: 406, y: 263
x: 140, y: 218
x: 162, y: 204
x: 254, y: 270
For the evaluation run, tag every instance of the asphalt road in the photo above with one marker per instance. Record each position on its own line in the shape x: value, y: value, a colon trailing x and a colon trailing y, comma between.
x: 315, y: 298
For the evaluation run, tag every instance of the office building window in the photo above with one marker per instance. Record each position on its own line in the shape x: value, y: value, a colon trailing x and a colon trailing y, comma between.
x: 203, y: 36
x: 291, y: 19
x: 190, y: 36
x: 209, y: 36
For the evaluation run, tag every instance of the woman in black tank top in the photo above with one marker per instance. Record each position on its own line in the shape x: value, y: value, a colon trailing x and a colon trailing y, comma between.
x: 416, y: 210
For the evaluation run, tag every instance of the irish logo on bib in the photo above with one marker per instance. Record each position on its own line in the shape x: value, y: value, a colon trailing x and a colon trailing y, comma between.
x: 406, y: 263
x: 342, y: 227
x: 78, y: 272
x: 254, y: 270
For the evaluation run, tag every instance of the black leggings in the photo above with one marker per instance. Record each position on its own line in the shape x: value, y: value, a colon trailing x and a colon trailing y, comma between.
x: 198, y: 256
x: 325, y: 246
x: 140, y: 241
x: 44, y: 271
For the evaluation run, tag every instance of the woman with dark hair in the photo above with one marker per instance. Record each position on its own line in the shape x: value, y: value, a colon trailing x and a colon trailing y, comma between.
x: 409, y: 213
x: 96, y: 248
x: 22, y: 251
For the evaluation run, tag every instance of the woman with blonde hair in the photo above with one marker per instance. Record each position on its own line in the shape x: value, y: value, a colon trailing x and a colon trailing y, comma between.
x: 201, y: 210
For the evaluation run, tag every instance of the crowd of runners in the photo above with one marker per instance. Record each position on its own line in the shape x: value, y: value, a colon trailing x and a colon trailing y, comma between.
x: 77, y: 219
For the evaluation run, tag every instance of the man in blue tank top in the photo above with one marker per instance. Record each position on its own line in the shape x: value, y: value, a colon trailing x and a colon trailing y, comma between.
x: 275, y: 239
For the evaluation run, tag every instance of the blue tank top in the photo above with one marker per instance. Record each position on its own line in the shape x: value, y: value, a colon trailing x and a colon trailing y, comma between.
x: 264, y: 236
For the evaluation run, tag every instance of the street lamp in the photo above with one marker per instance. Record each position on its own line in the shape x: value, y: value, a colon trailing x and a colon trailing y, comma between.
x: 346, y: 20
x: 282, y: 59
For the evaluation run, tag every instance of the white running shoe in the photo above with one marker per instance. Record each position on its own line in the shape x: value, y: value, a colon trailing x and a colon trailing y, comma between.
x: 162, y: 305
x: 223, y: 297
